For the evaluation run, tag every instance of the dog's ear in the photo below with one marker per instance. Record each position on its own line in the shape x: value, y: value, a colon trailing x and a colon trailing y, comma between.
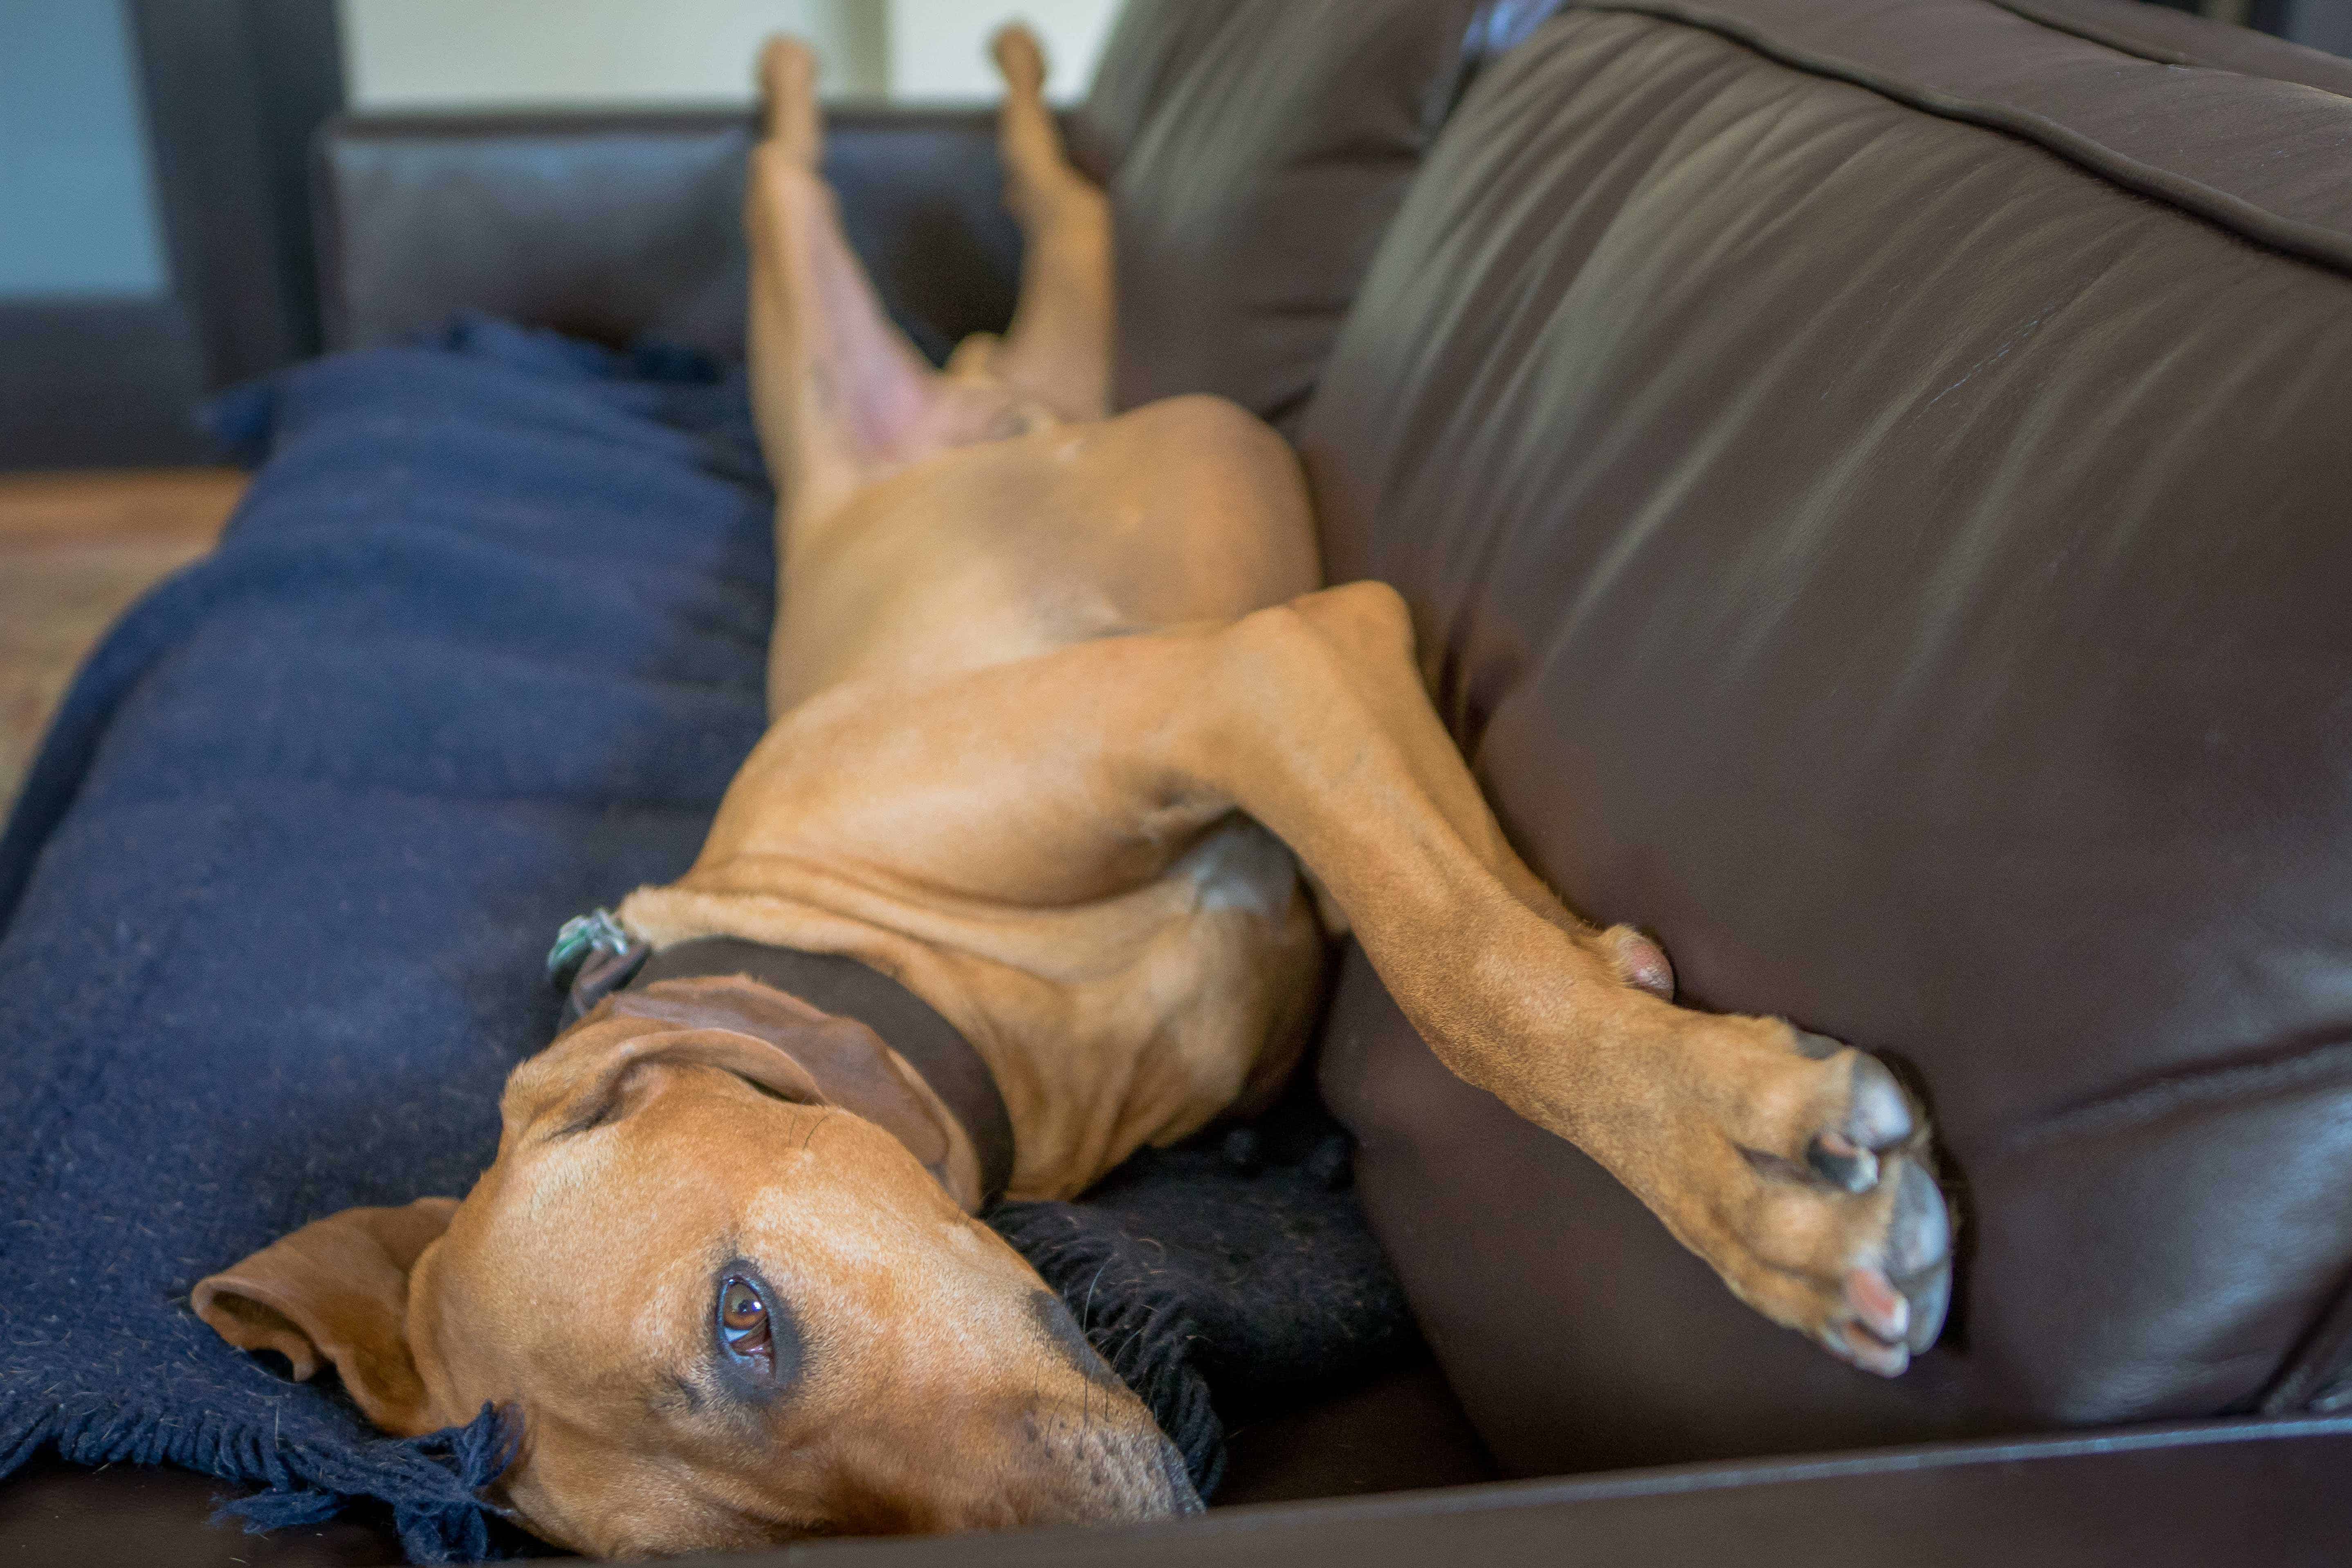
x: 841, y: 1061
x: 338, y: 1289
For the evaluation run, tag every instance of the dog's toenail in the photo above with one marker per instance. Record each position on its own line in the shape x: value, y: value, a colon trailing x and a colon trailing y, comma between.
x: 1818, y: 1047
x: 1880, y: 1114
x: 1919, y: 1230
x: 1930, y: 1298
x: 1837, y: 1162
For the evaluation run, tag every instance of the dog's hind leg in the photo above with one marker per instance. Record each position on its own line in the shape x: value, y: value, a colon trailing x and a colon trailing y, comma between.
x: 841, y: 396
x: 1057, y: 350
x: 842, y: 399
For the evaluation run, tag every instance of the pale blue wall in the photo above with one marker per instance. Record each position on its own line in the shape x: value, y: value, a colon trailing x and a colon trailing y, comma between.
x: 77, y: 215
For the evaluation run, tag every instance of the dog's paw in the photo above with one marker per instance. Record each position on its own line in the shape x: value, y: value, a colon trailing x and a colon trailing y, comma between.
x: 1845, y: 1193
x: 791, y: 120
x: 1810, y: 1188
x: 1018, y: 57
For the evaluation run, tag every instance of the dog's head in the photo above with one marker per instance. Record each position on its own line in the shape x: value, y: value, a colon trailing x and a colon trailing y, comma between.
x: 723, y: 1267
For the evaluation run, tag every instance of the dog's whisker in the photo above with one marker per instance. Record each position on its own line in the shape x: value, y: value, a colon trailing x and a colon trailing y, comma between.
x: 822, y: 1116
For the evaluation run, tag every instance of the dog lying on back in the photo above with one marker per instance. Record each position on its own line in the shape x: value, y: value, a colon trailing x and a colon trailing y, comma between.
x: 1075, y: 768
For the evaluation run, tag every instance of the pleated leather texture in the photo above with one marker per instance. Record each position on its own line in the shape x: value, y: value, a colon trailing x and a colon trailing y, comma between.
x: 1254, y: 151
x: 1907, y: 562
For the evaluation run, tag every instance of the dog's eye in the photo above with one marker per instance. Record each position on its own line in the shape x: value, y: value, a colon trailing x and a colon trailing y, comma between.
x: 743, y: 1319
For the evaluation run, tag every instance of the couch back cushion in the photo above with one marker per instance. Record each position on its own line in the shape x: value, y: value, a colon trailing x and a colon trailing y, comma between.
x: 1875, y: 484
x: 1254, y: 151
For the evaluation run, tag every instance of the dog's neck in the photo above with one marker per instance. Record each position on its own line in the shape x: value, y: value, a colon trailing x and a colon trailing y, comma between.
x: 1136, y: 1020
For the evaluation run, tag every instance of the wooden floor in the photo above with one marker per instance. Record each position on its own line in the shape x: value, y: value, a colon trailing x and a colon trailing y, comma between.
x: 75, y: 551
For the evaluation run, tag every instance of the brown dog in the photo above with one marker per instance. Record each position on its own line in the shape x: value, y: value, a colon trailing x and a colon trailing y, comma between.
x: 1060, y: 717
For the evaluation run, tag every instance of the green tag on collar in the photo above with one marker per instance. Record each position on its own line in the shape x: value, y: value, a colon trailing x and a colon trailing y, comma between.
x: 580, y: 936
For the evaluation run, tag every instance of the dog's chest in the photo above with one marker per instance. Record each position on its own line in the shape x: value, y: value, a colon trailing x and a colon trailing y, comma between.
x: 1217, y: 1010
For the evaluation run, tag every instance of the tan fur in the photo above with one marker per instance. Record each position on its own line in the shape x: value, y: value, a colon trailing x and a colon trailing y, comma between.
x: 1060, y: 712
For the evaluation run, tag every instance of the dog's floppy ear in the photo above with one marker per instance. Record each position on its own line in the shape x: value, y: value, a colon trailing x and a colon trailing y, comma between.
x: 843, y: 1061
x: 338, y: 1289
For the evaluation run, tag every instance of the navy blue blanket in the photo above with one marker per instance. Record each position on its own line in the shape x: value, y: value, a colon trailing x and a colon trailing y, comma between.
x: 480, y: 650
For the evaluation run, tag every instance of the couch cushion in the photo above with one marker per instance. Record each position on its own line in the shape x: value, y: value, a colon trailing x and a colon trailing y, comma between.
x: 621, y: 227
x: 1872, y: 482
x: 2154, y: 31
x: 1254, y: 150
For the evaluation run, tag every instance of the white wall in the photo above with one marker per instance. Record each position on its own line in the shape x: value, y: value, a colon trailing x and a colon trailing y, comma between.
x: 462, y: 54
x: 938, y: 49
x: 447, y: 54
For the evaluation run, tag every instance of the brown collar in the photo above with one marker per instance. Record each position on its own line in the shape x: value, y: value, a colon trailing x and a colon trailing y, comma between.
x: 835, y: 984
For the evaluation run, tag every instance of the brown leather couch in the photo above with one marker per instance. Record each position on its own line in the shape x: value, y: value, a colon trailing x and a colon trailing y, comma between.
x: 1874, y: 485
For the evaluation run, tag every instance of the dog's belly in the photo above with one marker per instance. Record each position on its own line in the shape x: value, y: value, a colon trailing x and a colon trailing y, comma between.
x: 1185, y: 511
x: 1128, y: 971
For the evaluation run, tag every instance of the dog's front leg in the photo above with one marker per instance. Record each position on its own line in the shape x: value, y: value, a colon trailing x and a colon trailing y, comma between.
x: 1796, y: 1167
